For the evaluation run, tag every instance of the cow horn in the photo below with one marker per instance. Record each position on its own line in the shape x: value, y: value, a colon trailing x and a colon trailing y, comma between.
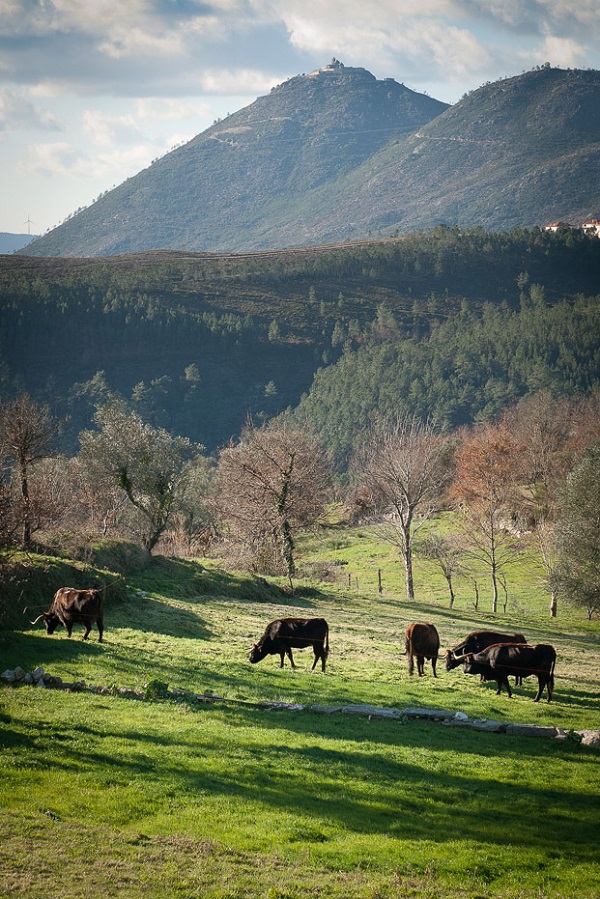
x: 461, y: 658
x: 39, y: 618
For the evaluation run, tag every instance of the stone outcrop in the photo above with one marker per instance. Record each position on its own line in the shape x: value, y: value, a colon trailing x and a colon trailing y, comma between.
x: 157, y: 690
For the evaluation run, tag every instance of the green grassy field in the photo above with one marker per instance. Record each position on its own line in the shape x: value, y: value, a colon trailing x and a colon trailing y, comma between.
x: 106, y: 794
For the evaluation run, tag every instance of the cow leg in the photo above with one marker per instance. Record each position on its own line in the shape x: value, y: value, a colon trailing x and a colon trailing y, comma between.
x: 433, y: 664
x: 290, y: 657
x: 420, y: 665
x: 319, y: 652
x: 100, y: 624
x: 69, y: 628
x: 88, y: 628
x: 411, y: 666
x: 504, y: 680
x: 282, y: 657
x: 542, y: 682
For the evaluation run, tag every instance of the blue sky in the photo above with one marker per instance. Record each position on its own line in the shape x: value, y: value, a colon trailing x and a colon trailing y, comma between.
x: 91, y: 91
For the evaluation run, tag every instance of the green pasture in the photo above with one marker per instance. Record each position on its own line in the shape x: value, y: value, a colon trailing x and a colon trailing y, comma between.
x: 107, y: 794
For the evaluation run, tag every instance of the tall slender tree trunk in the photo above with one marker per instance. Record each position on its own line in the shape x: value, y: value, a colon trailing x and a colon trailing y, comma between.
x: 450, y: 590
x: 494, y: 591
x: 406, y: 527
x: 25, y: 504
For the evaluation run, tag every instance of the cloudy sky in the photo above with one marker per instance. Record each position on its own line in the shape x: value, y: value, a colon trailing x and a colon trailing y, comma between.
x: 91, y: 91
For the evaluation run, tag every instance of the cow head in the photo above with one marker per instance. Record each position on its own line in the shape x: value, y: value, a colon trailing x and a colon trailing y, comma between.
x: 256, y: 654
x: 452, y: 661
x: 472, y: 666
x: 50, y: 620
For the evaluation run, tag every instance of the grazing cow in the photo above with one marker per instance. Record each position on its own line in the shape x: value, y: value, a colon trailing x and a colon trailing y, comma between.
x: 478, y: 640
x: 70, y: 607
x: 422, y: 641
x: 500, y: 660
x: 283, y: 634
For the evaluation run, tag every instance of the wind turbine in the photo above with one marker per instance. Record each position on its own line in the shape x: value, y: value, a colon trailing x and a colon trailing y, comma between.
x: 29, y: 223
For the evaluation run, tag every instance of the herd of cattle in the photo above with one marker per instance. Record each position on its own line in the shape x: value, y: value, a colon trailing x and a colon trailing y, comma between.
x: 492, y: 655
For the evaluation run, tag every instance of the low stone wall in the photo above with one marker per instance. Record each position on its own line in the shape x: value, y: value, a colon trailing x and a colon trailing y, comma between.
x: 159, y: 690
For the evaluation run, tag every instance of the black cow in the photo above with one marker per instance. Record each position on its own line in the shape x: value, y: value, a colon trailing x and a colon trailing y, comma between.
x: 500, y: 660
x: 285, y: 634
x: 422, y: 641
x: 70, y: 607
x: 475, y: 642
x: 478, y: 640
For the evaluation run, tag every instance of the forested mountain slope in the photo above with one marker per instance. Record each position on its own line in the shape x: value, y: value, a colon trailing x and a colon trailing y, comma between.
x: 474, y: 365
x: 198, y: 342
x: 340, y: 155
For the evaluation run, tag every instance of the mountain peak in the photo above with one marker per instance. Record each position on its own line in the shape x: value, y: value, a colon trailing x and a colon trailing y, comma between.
x: 337, y: 155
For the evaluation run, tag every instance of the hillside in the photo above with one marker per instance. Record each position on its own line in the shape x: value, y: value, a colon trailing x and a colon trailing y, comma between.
x: 338, y: 155
x: 198, y: 342
x: 520, y: 152
x: 229, y: 187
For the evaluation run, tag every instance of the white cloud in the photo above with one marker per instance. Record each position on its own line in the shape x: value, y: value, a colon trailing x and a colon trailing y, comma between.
x: 562, y: 52
x: 107, y: 130
x: 171, y: 109
x: 19, y: 113
x: 62, y: 159
x: 58, y: 158
x: 125, y: 82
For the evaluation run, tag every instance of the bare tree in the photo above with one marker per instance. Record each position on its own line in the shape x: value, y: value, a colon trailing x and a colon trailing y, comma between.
x: 269, y: 485
x: 27, y: 435
x: 542, y: 427
x: 405, y: 470
x: 448, y: 552
x: 485, y: 487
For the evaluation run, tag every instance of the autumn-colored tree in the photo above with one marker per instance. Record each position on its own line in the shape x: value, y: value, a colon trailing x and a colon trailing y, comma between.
x: 405, y: 470
x: 270, y: 484
x: 485, y: 489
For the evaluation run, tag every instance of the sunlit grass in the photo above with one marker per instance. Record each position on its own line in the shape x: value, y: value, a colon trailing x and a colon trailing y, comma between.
x: 132, y: 797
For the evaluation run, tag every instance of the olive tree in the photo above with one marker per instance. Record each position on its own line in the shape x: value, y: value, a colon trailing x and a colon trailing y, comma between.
x: 576, y: 574
x: 149, y: 467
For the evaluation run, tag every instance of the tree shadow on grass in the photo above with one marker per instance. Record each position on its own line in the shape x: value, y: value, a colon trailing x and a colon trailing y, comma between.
x: 147, y: 614
x: 357, y: 785
x: 193, y: 582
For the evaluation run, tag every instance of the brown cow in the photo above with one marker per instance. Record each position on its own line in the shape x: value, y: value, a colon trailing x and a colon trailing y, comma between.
x: 422, y: 641
x: 71, y: 606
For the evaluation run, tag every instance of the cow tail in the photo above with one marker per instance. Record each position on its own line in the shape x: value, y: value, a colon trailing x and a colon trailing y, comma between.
x: 551, y: 677
x: 327, y: 641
